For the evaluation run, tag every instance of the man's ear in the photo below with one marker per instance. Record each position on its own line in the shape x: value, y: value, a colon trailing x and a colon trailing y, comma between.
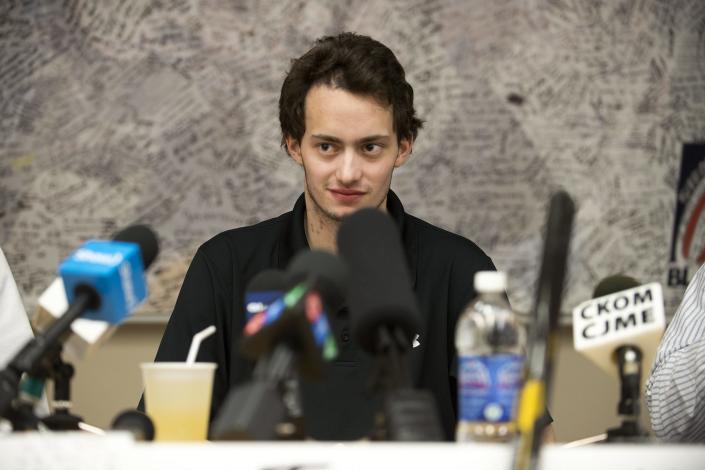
x: 293, y: 148
x: 405, y: 146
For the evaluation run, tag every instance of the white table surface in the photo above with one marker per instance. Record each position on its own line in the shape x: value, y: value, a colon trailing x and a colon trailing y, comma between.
x: 78, y: 451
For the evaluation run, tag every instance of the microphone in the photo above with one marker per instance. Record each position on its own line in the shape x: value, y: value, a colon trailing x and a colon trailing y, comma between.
x: 110, y: 274
x: 291, y: 334
x: 619, y: 331
x: 298, y: 319
x: 136, y: 423
x: 87, y: 333
x: 264, y: 289
x: 385, y: 319
x: 104, y: 280
x: 622, y: 312
x: 382, y: 304
x: 543, y: 337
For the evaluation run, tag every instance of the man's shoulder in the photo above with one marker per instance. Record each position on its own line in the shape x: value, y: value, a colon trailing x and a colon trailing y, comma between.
x: 444, y: 243
x: 246, y: 241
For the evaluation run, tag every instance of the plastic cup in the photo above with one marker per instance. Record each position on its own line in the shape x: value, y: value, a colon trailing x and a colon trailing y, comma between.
x: 178, y: 399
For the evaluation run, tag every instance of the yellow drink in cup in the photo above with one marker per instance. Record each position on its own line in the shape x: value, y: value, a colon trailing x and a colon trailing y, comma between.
x: 177, y: 397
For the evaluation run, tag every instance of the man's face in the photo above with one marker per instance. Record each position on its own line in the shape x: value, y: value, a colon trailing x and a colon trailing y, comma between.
x: 348, y: 152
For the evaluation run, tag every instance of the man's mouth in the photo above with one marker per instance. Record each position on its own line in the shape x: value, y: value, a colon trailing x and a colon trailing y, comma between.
x: 346, y: 195
x: 348, y: 192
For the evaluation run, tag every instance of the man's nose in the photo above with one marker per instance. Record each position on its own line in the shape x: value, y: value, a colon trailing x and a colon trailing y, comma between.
x: 349, y: 169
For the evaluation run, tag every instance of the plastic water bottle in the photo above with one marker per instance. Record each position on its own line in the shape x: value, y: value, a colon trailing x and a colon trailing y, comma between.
x: 490, y: 342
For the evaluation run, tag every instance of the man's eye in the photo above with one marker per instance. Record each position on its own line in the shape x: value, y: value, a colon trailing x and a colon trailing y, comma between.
x: 372, y: 148
x: 325, y: 147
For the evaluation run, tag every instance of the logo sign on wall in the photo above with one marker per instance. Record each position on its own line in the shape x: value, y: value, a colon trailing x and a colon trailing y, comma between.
x: 688, y: 240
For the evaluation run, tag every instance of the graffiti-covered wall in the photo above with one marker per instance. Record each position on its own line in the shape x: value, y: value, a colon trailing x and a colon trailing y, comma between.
x: 165, y: 112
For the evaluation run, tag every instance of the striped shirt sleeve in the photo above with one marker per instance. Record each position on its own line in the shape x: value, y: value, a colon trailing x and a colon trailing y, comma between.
x: 675, y: 391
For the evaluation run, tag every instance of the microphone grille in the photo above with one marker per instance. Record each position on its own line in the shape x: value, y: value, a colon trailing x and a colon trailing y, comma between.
x: 381, y: 292
x: 612, y: 284
x: 329, y: 272
x: 143, y: 236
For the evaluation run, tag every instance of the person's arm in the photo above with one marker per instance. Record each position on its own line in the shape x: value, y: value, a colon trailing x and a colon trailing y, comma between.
x: 675, y: 392
x: 14, y: 324
x: 15, y: 330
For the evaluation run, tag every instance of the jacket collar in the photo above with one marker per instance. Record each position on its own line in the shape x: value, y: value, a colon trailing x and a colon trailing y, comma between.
x: 293, y: 237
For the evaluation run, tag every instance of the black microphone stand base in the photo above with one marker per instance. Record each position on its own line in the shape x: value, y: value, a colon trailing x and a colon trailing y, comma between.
x: 628, y: 431
x: 252, y: 411
x: 409, y: 416
x: 22, y: 417
x: 62, y: 420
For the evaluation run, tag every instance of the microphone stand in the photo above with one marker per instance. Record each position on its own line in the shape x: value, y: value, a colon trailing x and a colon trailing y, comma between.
x: 629, y: 362
x: 408, y: 414
x: 267, y: 407
x: 21, y: 413
x: 61, y: 419
x: 33, y: 356
x: 280, y: 371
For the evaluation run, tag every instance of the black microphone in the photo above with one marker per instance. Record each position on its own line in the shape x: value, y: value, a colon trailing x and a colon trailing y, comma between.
x: 288, y: 339
x: 614, y: 283
x: 543, y: 338
x: 629, y: 363
x: 385, y: 319
x: 136, y: 423
x: 144, y: 236
x: 314, y: 275
x: 381, y: 301
x: 263, y: 289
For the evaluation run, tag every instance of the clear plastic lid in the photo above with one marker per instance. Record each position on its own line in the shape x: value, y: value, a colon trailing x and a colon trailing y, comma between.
x: 490, y: 282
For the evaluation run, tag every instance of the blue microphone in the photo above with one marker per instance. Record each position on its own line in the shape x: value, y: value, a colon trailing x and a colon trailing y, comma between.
x: 263, y: 290
x: 114, y: 270
x: 103, y: 279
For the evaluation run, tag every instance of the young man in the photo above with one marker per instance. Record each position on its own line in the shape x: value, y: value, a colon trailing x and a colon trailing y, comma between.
x: 348, y: 119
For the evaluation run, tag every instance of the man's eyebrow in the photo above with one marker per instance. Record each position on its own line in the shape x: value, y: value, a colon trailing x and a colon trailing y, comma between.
x: 327, y: 138
x: 371, y: 138
x: 374, y: 138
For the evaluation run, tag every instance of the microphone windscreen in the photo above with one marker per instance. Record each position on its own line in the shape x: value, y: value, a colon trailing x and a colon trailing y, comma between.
x: 380, y: 293
x: 329, y: 273
x: 263, y: 289
x: 143, y: 236
x: 135, y: 422
x: 549, y: 291
x: 612, y: 284
x: 111, y: 272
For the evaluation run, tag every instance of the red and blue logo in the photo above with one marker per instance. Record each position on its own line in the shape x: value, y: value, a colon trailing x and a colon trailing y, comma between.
x: 688, y: 238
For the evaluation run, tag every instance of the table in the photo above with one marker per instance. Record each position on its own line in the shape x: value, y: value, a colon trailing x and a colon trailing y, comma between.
x: 116, y: 451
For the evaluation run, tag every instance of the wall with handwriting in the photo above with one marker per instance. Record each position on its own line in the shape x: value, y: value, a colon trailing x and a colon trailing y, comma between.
x: 165, y: 112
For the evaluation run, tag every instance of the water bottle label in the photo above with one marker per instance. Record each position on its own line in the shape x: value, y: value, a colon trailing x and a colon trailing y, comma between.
x: 488, y: 387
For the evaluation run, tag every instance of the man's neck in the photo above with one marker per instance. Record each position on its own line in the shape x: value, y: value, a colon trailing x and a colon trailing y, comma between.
x: 321, y: 231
